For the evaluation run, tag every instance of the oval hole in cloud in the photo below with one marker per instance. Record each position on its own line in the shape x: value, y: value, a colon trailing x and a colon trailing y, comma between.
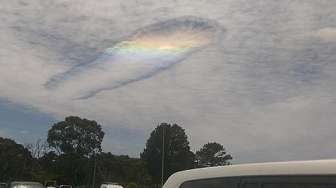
x: 143, y: 54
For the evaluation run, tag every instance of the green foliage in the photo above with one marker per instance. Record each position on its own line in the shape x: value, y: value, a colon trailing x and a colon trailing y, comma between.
x: 212, y: 154
x: 15, y: 161
x: 74, y: 146
x: 112, y: 168
x: 76, y: 140
x: 132, y: 185
x: 177, y: 151
x: 76, y: 135
x: 73, y: 168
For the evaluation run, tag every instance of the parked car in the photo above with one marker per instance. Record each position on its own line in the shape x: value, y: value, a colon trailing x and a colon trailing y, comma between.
x: 65, y: 186
x: 110, y: 185
x: 25, y: 184
x: 50, y: 184
x: 301, y: 174
x: 3, y: 185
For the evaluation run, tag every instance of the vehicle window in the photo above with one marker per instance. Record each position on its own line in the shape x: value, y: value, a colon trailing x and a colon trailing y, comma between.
x: 251, y: 185
x: 290, y: 182
x: 298, y: 185
x: 212, y: 183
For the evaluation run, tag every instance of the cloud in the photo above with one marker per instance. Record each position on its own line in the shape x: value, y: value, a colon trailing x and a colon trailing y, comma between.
x: 260, y: 90
x: 24, y: 132
x: 327, y: 34
x: 142, y: 55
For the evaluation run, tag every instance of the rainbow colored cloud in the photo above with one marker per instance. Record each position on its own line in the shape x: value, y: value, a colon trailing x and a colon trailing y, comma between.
x: 145, y: 53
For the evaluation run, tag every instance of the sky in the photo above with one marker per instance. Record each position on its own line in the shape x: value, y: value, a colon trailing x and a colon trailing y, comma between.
x: 256, y: 76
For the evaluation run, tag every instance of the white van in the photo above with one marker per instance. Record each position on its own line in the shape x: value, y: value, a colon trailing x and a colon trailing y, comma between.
x: 300, y: 174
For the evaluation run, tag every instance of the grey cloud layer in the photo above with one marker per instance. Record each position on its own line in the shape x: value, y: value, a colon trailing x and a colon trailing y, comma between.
x: 267, y: 90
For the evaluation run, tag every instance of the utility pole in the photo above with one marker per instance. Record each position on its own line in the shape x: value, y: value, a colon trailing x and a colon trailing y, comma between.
x: 94, y: 171
x: 163, y: 155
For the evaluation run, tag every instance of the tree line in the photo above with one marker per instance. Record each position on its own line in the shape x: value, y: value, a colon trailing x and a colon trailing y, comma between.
x: 72, y: 154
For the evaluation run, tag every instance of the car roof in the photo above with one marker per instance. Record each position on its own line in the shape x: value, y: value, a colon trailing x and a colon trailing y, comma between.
x: 111, y: 184
x: 317, y: 167
x: 20, y: 182
x: 26, y: 182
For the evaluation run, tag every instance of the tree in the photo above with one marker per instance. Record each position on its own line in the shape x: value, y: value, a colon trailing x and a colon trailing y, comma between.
x: 76, y: 135
x: 73, y: 168
x: 122, y: 169
x: 48, y: 166
x: 15, y: 161
x: 212, y: 154
x: 76, y: 141
x: 177, y: 151
x: 39, y: 149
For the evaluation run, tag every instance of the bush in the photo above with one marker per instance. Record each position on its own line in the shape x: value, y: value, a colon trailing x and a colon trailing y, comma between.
x: 131, y: 185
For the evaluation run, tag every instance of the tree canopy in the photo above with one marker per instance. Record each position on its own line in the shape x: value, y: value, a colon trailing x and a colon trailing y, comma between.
x: 76, y: 135
x: 15, y: 160
x: 177, y: 151
x: 212, y: 154
x: 73, y: 155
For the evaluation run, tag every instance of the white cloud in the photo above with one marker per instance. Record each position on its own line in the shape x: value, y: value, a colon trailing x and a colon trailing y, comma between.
x: 327, y: 34
x: 24, y: 132
x: 260, y: 92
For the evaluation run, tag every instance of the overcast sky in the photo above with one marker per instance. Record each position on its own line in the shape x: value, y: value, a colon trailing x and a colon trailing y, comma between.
x: 256, y: 76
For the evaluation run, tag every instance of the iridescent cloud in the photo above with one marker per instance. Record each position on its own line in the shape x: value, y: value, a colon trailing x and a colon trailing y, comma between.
x: 145, y: 53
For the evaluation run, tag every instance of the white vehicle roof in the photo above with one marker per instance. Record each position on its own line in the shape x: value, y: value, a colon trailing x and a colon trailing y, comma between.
x: 317, y: 167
